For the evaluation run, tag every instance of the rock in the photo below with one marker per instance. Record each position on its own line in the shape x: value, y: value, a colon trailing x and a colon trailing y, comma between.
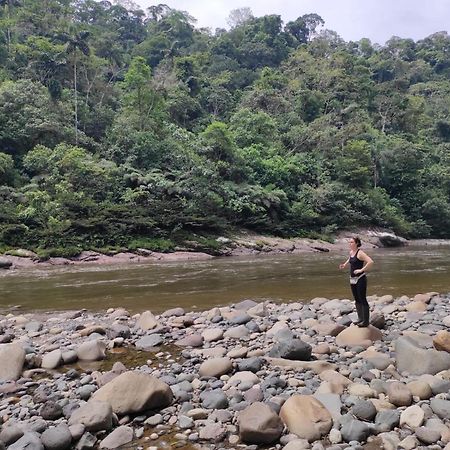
x: 12, y: 357
x: 57, y: 438
x: 387, y: 420
x: 355, y: 430
x: 215, y: 367
x: 442, y: 341
x: 191, y: 340
x: 364, y: 410
x: 212, y: 334
x: 353, y: 336
x: 420, y: 389
x: 29, y: 441
x: 120, y: 436
x: 418, y: 361
x: 11, y: 433
x: 378, y: 321
x: 91, y: 350
x: 441, y: 407
x: 215, y: 399
x: 94, y: 415
x: 174, y: 312
x: 328, y: 329
x: 399, y: 394
x: 147, y: 321
x: 87, y: 442
x: 52, y: 360
x: 258, y: 424
x: 412, y: 416
x: 5, y: 263
x: 427, y: 435
x: 134, y: 392
x: 306, y: 417
x: 294, y: 349
x: 148, y: 342
x: 213, y: 432
x: 238, y: 332
x: 250, y: 364
x: 51, y: 411
x: 92, y: 329
x: 69, y: 357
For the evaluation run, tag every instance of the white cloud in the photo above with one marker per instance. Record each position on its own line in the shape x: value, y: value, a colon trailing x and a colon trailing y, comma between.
x: 352, y: 19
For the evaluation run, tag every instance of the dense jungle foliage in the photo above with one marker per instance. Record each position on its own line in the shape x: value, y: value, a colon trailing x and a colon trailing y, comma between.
x: 123, y: 128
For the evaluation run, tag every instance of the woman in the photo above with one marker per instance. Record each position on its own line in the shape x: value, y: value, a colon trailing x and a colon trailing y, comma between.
x: 359, y: 262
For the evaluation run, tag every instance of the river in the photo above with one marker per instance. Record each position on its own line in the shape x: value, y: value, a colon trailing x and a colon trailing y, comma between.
x: 220, y: 281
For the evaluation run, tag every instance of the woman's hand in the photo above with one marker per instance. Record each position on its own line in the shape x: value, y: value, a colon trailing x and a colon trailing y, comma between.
x: 358, y: 271
x: 342, y: 266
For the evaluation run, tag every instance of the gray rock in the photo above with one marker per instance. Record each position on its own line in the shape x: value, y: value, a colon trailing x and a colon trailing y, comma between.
x: 148, y: 342
x: 57, y: 438
x: 427, y: 435
x: 69, y: 356
x: 33, y: 326
x: 411, y: 358
x: 12, y: 357
x: 87, y: 442
x: 5, y: 263
x: 185, y: 422
x: 250, y: 364
x: 11, y: 433
x: 441, y: 408
x: 29, y: 441
x: 387, y: 420
x: 119, y: 437
x: 355, y: 430
x: 52, y: 360
x: 214, y: 399
x: 240, y: 319
x: 51, y: 411
x: 364, y: 410
x: 294, y: 349
x: 85, y: 392
x: 94, y: 415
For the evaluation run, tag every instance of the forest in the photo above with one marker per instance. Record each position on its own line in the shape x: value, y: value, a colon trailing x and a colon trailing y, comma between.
x: 122, y: 129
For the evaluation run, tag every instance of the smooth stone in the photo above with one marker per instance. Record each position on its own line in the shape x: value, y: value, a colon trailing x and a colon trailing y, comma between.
x: 57, y: 438
x: 118, y: 438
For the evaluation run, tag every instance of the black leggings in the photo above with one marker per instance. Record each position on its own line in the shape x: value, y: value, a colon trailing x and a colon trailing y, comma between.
x: 359, y: 291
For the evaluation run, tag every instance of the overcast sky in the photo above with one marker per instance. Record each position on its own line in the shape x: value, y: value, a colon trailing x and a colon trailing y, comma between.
x: 352, y: 19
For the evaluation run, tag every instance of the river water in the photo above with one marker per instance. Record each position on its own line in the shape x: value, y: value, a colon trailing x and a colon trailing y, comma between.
x: 220, y: 281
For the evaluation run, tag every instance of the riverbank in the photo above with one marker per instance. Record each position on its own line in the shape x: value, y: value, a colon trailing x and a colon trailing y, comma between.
x: 291, y: 375
x: 238, y: 245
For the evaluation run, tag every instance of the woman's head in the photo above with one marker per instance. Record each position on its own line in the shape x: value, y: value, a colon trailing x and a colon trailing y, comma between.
x: 356, y: 241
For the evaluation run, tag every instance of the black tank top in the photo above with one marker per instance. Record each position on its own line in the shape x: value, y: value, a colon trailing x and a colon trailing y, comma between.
x: 355, y: 264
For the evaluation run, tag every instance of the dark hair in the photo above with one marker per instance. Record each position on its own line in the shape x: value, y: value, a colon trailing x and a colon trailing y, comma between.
x: 357, y: 241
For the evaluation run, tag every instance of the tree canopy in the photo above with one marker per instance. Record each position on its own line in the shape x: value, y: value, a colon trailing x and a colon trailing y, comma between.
x: 122, y: 128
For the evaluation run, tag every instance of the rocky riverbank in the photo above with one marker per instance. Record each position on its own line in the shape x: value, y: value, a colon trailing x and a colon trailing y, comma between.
x: 239, y: 245
x: 292, y: 376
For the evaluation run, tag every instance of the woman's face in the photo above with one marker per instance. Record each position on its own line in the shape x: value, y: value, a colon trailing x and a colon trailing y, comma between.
x: 352, y: 244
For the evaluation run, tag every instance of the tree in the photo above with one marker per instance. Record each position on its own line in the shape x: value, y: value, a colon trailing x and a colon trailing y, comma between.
x: 74, y: 44
x: 304, y: 27
x: 239, y: 16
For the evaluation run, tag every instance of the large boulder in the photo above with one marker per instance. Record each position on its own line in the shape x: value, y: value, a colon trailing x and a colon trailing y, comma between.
x: 134, y: 392
x: 258, y: 424
x: 94, y: 415
x: 306, y: 417
x: 411, y: 358
x: 12, y: 357
x: 353, y: 336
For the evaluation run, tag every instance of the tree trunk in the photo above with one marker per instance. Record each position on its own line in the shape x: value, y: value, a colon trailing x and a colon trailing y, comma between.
x: 75, y: 97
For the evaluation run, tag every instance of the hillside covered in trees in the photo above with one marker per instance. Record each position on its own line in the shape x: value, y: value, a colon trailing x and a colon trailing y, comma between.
x: 128, y: 128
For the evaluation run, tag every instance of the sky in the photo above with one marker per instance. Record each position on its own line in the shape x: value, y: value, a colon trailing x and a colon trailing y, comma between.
x: 377, y: 20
